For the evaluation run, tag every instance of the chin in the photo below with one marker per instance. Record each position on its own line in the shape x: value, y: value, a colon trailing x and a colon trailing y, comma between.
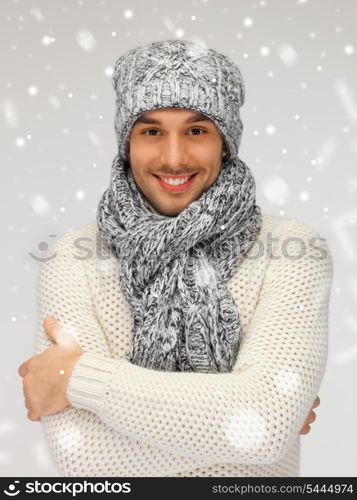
x: 171, y: 212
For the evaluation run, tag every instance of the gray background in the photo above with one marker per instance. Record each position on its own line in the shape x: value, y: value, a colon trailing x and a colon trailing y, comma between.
x: 298, y: 60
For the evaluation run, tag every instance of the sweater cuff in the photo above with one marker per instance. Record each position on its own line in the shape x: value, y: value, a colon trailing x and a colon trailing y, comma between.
x: 89, y: 379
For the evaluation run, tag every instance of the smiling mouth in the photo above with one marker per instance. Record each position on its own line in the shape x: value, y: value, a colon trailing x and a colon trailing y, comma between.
x: 175, y: 183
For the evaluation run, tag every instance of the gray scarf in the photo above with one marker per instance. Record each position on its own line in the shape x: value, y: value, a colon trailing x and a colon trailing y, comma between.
x: 173, y: 270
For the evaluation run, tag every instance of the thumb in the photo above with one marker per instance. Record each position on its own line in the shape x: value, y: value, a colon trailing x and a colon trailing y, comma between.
x: 51, y: 328
x: 58, y: 334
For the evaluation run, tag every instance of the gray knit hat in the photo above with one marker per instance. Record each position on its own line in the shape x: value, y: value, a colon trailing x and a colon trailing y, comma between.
x: 183, y: 74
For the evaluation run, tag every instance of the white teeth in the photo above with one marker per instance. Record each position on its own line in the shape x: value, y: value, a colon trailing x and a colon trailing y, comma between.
x: 174, y: 182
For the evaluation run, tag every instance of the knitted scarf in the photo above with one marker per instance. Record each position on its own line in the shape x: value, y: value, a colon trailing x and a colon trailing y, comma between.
x: 173, y: 270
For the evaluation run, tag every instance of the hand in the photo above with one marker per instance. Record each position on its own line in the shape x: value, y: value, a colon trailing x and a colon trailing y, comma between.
x: 310, y: 418
x: 46, y: 375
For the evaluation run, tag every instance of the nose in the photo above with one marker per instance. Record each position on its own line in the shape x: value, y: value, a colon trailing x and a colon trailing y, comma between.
x: 174, y: 154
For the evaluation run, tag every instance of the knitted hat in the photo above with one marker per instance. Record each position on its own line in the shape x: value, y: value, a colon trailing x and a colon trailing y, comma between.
x: 183, y: 74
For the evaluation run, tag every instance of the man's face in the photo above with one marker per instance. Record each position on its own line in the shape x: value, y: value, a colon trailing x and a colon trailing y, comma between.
x: 174, y: 143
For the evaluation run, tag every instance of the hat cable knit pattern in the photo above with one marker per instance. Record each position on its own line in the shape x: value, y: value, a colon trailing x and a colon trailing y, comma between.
x: 178, y: 73
x: 173, y: 270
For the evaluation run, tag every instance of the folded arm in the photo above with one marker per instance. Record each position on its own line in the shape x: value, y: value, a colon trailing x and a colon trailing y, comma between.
x: 80, y: 443
x: 251, y: 415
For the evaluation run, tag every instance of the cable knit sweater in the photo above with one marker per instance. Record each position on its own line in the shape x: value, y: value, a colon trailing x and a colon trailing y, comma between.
x: 126, y: 420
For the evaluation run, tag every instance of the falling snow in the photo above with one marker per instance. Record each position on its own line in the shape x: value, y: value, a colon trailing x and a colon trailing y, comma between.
x: 10, y: 113
x: 287, y: 381
x: 80, y: 195
x: 40, y: 204
x: 275, y: 189
x: 270, y: 129
x: 246, y: 429
x: 349, y: 49
x: 347, y: 99
x: 32, y: 90
x: 38, y: 14
x: 58, y: 139
x: 287, y: 54
x: 54, y: 101
x: 86, y: 40
x: 128, y: 14
x: 304, y: 196
x: 47, y: 40
x: 248, y: 22
x: 264, y: 50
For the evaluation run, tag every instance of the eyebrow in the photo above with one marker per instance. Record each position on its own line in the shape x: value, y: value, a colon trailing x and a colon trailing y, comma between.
x: 197, y: 117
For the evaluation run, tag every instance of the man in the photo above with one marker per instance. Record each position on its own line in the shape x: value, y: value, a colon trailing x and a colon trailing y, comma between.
x: 183, y: 352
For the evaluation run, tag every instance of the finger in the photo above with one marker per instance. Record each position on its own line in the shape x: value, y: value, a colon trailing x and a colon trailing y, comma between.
x: 305, y: 429
x: 312, y: 417
x: 25, y: 366
x: 22, y: 369
x: 33, y: 417
x: 316, y: 402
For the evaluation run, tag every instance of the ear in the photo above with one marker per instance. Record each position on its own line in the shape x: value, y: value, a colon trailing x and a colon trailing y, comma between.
x: 224, y: 149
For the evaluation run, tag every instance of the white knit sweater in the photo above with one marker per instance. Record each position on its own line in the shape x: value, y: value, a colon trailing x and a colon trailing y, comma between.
x: 126, y: 420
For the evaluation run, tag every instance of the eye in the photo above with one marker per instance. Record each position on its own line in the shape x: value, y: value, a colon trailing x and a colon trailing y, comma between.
x: 200, y: 129
x: 150, y: 130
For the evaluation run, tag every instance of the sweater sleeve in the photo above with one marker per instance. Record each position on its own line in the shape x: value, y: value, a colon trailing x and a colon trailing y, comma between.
x: 80, y: 443
x: 253, y: 414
